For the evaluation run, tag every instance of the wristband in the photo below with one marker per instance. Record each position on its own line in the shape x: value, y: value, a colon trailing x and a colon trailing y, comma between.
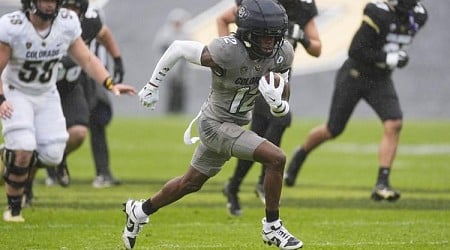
x: 117, y: 60
x: 281, y: 110
x: 2, y: 98
x: 108, y: 83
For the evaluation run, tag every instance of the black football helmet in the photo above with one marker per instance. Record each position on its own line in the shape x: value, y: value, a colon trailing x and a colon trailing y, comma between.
x: 32, y: 6
x: 260, y: 18
x: 403, y: 6
x: 81, y: 5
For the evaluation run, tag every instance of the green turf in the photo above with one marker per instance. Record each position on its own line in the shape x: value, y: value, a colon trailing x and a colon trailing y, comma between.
x: 328, y: 209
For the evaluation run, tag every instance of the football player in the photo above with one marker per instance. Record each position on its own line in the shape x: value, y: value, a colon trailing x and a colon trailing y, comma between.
x: 377, y: 49
x: 32, y: 41
x: 80, y: 96
x: 301, y: 29
x: 237, y: 63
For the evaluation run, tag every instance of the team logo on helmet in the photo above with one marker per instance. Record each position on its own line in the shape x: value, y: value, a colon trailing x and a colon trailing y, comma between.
x: 242, y: 12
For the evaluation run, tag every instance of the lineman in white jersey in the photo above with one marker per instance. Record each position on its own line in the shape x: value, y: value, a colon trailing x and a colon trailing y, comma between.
x: 238, y: 63
x: 32, y: 41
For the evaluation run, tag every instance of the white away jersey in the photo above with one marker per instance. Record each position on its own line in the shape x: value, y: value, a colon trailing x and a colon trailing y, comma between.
x: 31, y: 68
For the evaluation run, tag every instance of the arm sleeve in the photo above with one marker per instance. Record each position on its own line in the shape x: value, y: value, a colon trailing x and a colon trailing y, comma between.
x: 191, y: 51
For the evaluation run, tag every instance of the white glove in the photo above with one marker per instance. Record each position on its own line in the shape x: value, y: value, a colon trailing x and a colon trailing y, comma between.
x: 149, y: 95
x: 271, y: 94
x: 397, y: 59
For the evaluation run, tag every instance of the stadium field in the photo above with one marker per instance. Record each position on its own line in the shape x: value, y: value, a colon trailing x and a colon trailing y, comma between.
x: 329, y: 208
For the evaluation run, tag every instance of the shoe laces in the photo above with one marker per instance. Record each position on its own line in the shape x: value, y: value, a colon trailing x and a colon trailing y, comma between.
x: 282, y: 232
x: 278, y: 228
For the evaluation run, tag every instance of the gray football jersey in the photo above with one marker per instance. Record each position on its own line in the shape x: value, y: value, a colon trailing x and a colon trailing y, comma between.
x: 233, y: 90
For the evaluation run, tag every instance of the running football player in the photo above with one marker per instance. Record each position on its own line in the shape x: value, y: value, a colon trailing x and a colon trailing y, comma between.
x: 377, y: 49
x: 237, y: 63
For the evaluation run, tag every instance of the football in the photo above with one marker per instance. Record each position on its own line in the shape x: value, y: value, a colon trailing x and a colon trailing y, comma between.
x: 277, y: 77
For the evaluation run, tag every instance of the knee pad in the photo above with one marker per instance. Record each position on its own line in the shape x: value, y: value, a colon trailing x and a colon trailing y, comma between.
x: 51, y: 154
x: 8, y: 157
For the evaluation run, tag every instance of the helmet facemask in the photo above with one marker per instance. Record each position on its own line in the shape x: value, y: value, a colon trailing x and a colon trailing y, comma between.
x: 253, y: 41
x: 403, y: 6
x: 34, y: 8
x: 79, y: 5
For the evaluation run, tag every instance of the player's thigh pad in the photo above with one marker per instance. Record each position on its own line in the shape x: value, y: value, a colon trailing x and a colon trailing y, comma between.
x: 19, y: 131
x: 208, y: 162
x: 228, y: 138
x: 217, y: 136
x: 51, y: 133
x: 246, y: 144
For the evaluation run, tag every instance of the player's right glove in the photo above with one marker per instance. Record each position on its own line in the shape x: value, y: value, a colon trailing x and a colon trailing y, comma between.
x: 149, y: 95
x: 118, y: 69
x: 397, y: 59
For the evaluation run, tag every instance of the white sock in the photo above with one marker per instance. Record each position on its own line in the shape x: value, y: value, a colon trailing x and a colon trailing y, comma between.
x: 268, y: 225
x: 139, y: 212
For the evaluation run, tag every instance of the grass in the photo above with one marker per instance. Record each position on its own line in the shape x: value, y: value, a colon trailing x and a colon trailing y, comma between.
x: 329, y: 208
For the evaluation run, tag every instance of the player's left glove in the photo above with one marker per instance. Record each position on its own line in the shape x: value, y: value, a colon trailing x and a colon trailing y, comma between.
x: 118, y: 69
x: 271, y: 94
x: 149, y: 95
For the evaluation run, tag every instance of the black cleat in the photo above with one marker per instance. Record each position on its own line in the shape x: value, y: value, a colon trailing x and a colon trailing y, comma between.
x: 234, y: 208
x: 27, y: 198
x: 62, y: 174
x: 384, y: 192
x: 294, y: 168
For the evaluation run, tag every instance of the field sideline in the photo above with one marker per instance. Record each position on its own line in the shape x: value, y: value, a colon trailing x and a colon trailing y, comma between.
x: 328, y: 209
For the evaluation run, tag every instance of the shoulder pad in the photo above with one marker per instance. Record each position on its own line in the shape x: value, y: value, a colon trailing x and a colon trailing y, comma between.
x: 69, y: 22
x: 377, y: 9
x: 420, y: 14
x: 309, y: 7
x: 227, y: 51
x: 92, y: 13
x: 285, y: 56
x: 12, y: 24
x: 377, y: 14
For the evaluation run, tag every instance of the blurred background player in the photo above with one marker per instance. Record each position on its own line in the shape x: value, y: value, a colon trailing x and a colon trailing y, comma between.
x: 301, y: 29
x: 377, y: 49
x: 32, y: 41
x: 174, y: 29
x: 238, y: 64
x: 86, y: 105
